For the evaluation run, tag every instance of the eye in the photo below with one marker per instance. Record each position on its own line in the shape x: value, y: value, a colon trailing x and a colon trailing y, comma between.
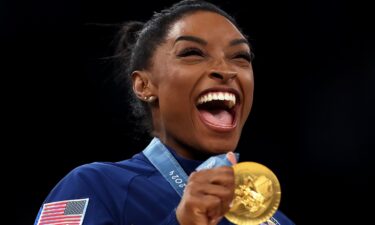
x: 190, y: 52
x: 248, y: 56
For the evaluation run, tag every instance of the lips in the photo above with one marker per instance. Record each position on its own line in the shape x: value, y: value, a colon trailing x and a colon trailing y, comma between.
x: 218, y: 108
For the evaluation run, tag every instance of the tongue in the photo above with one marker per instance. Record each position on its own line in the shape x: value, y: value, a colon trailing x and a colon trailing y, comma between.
x: 218, y: 117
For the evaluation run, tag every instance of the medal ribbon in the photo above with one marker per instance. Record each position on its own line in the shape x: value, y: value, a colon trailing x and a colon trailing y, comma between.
x: 167, y: 165
x: 171, y: 170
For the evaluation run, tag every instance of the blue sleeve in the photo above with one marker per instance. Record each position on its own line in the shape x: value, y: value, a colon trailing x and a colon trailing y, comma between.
x: 150, y: 203
x: 171, y: 219
x: 282, y: 219
x: 88, y: 181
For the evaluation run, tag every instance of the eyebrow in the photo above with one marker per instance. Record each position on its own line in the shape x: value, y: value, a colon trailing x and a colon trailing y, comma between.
x: 203, y: 42
x: 239, y: 41
x: 191, y: 38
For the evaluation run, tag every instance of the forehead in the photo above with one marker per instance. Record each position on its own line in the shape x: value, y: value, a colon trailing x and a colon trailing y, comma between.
x: 206, y: 25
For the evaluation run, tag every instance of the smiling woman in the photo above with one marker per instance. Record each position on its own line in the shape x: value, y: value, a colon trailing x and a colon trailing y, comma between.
x: 210, y: 75
x: 190, y: 72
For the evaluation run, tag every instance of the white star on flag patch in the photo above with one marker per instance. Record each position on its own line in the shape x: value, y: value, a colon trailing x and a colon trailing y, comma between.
x: 70, y: 212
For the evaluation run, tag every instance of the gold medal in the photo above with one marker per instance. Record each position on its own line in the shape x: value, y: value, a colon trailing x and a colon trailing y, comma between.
x: 257, y: 194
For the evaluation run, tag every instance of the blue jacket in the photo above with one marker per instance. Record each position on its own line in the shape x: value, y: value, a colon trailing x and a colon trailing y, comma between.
x: 130, y: 192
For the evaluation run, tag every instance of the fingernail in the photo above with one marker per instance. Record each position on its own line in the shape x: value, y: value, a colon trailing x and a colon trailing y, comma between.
x: 232, y: 158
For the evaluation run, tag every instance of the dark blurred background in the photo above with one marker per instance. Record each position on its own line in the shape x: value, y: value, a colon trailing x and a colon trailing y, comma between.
x: 312, y: 121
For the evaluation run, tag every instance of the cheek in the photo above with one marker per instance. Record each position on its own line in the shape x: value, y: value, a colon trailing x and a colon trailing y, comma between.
x: 175, y: 98
x: 176, y: 112
x: 177, y: 82
x: 248, y: 87
x: 174, y: 87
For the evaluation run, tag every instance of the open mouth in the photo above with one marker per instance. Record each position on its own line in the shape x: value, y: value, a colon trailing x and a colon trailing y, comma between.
x: 217, y: 109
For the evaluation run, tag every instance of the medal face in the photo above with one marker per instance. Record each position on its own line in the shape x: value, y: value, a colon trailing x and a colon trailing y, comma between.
x: 257, y: 194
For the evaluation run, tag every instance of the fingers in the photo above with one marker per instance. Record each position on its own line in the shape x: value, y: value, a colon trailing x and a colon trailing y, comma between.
x: 214, y: 195
x: 207, y: 196
x: 222, y: 176
x: 232, y: 158
x: 199, y: 210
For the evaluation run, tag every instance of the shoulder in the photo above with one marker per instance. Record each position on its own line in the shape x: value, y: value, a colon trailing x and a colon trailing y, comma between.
x: 121, y: 172
x: 103, y: 186
x: 101, y: 179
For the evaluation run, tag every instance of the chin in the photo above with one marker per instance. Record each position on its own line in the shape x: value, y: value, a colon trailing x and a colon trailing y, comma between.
x: 216, y: 146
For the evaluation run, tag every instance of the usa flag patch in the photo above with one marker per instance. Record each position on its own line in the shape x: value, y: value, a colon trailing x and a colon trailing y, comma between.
x: 70, y: 212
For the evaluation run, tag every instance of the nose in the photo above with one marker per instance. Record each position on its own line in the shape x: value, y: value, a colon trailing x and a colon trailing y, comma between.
x: 222, y: 73
x: 224, y: 76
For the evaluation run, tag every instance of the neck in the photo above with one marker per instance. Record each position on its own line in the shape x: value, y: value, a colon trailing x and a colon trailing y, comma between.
x: 186, y: 151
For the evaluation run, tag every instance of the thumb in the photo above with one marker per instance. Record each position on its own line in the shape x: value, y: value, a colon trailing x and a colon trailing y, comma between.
x: 231, y: 157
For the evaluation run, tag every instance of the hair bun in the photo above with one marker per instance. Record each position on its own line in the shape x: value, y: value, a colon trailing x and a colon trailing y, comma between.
x: 128, y: 34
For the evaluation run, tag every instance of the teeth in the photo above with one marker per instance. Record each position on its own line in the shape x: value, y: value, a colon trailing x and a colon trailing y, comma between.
x: 229, y: 98
x: 221, y: 96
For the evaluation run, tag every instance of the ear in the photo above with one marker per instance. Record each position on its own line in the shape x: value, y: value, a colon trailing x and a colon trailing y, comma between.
x: 142, y: 85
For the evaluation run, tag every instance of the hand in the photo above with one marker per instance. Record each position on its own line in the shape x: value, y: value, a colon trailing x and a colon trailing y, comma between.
x: 207, y: 196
